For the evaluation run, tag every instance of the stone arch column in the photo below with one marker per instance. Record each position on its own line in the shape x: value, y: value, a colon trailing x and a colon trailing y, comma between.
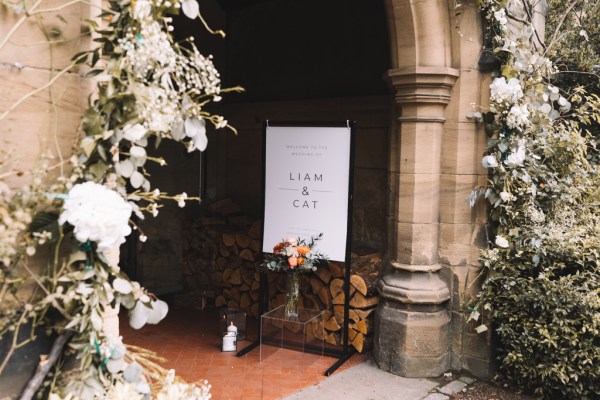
x: 412, y: 323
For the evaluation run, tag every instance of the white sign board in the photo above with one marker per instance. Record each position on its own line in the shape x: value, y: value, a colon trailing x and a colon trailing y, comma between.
x: 307, y: 172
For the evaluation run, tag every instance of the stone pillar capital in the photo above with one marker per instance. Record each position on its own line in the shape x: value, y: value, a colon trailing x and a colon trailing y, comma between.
x: 423, y: 84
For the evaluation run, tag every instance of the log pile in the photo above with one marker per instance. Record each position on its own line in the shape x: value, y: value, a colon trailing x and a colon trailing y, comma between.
x: 326, y: 291
x: 223, y: 253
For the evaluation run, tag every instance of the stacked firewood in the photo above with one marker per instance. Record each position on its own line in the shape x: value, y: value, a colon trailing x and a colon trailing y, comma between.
x: 236, y: 272
x: 228, y: 254
x: 238, y: 261
x: 327, y: 291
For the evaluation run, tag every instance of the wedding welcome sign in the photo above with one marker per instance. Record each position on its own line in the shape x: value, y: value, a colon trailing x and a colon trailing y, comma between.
x: 307, y: 185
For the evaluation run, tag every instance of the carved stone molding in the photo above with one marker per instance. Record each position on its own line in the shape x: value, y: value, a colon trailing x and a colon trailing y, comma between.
x: 422, y: 92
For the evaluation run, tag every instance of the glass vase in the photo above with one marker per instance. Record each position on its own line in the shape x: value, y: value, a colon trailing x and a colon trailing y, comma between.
x: 292, y: 295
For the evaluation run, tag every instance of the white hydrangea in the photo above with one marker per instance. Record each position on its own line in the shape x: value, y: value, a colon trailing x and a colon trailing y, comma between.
x: 98, y: 214
x: 516, y: 156
x: 518, y: 117
x: 503, y: 91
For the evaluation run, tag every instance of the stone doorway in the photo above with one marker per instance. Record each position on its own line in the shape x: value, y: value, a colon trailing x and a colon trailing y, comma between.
x: 416, y: 161
x: 296, y: 65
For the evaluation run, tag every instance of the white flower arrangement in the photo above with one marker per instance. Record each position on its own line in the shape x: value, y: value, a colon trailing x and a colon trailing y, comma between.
x: 516, y: 156
x: 98, y: 214
x: 542, y: 193
x: 149, y: 87
x: 502, y: 242
x: 505, y: 91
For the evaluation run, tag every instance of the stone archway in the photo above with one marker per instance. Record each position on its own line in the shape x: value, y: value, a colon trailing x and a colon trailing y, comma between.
x: 433, y: 235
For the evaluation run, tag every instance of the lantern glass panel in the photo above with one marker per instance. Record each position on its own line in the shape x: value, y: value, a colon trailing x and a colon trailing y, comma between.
x: 229, y: 315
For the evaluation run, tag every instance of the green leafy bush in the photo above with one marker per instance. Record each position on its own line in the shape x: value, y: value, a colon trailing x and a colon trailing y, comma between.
x: 550, y: 330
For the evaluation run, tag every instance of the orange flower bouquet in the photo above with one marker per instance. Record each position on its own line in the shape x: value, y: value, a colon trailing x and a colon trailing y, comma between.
x: 293, y: 256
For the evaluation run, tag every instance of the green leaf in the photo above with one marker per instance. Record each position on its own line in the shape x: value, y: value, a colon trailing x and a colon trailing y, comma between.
x: 98, y: 169
x: 94, y: 72
x: 77, y: 256
x: 95, y: 57
x: 79, y: 57
x: 102, y: 152
x: 88, y: 144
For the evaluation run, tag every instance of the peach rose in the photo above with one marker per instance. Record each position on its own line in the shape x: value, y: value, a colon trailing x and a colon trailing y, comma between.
x: 293, y: 261
x: 302, y: 250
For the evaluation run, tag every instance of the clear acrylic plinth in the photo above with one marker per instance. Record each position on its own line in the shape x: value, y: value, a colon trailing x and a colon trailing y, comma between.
x: 295, y: 341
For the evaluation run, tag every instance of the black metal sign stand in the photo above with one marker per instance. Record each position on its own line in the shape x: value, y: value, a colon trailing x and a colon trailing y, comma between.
x: 346, y: 352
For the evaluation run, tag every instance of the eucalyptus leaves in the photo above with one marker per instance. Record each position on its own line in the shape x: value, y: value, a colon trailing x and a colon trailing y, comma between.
x: 150, y: 88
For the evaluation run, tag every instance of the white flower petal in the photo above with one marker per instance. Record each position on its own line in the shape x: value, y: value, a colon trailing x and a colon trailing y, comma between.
x: 136, y: 179
x: 133, y: 372
x: 489, y: 161
x: 114, y: 366
x: 195, y: 127
x: 122, y: 286
x: 178, y: 131
x: 137, y: 151
x: 134, y: 133
x: 201, y: 141
x: 502, y: 242
x: 139, y: 315
x: 159, y: 311
x: 138, y: 162
x: 124, y: 168
x: 146, y: 185
x: 190, y: 8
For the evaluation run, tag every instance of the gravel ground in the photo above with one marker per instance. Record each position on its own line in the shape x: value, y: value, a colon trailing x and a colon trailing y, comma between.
x: 489, y: 391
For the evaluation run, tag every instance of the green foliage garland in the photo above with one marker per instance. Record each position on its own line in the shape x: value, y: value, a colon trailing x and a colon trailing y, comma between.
x: 149, y: 88
x: 542, y: 283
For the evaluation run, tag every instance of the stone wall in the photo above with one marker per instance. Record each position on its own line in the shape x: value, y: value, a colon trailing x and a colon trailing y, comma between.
x: 45, y: 122
x: 462, y: 229
x: 48, y: 120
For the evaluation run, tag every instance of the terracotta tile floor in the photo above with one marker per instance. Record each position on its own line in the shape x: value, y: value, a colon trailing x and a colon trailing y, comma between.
x: 189, y: 340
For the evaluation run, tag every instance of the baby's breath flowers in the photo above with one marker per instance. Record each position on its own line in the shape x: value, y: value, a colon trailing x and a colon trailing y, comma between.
x: 153, y: 88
